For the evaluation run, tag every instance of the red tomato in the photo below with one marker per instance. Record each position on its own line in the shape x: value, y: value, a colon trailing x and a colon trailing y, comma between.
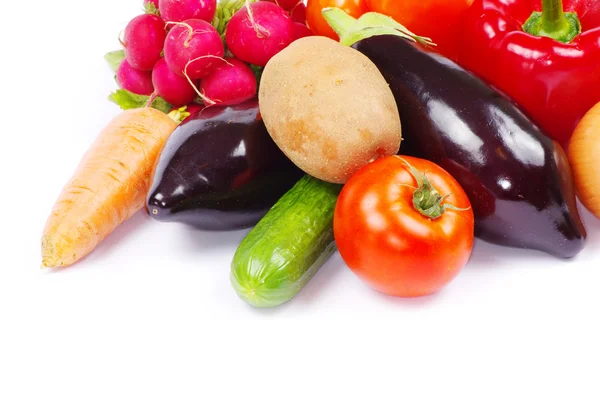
x: 387, y: 242
x: 319, y: 26
x: 436, y: 19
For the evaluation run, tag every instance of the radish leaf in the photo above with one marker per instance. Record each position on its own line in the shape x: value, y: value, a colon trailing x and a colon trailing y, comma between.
x: 114, y: 59
x: 150, y: 8
x: 128, y: 100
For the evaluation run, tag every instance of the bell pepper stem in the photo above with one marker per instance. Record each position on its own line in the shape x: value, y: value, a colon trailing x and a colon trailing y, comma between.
x: 552, y: 13
x: 553, y: 22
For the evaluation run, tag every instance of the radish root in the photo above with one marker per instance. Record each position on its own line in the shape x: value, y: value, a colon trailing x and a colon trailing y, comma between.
x: 121, y: 40
x: 191, y: 31
x: 151, y: 99
x: 260, y: 31
x: 207, y: 101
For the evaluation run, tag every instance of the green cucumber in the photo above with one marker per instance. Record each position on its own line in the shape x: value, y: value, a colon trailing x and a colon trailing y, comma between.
x: 287, y: 247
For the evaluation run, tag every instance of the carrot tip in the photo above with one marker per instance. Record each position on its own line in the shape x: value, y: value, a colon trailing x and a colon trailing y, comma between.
x: 49, y: 262
x: 47, y: 250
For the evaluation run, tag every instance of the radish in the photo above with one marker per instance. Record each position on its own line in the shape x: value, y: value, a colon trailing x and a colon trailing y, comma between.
x: 171, y: 87
x: 285, y: 4
x: 193, y: 48
x: 301, y: 30
x: 134, y: 80
x: 193, y: 108
x: 143, y: 40
x: 230, y: 84
x: 259, y: 31
x: 180, y: 10
x: 295, y: 8
x: 298, y: 13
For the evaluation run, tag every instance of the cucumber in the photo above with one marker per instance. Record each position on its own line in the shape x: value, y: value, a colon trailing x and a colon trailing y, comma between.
x: 287, y: 246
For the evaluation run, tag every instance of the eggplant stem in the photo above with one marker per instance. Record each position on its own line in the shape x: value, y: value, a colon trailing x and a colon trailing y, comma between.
x: 352, y: 30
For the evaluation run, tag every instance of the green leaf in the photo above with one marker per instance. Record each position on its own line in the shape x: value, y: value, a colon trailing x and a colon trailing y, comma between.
x: 114, y: 59
x: 352, y: 30
x: 258, y: 70
x: 150, y: 8
x: 128, y: 100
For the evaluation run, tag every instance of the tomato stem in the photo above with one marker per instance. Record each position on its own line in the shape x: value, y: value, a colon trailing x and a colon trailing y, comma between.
x: 426, y: 199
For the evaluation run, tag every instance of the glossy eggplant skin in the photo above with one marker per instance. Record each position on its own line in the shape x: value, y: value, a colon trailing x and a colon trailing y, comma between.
x: 220, y: 170
x: 518, y: 180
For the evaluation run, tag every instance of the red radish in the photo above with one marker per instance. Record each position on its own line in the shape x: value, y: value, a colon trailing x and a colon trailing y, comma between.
x: 180, y: 10
x: 301, y: 30
x: 259, y: 31
x: 230, y: 84
x: 172, y: 88
x: 193, y: 48
x: 134, y: 80
x: 298, y: 13
x: 193, y: 108
x: 296, y: 9
x: 285, y: 4
x: 143, y: 40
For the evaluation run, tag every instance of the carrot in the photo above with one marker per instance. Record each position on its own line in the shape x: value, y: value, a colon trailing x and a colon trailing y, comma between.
x: 108, y: 187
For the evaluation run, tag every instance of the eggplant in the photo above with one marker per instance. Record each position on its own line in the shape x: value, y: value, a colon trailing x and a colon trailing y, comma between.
x: 518, y: 180
x: 220, y: 170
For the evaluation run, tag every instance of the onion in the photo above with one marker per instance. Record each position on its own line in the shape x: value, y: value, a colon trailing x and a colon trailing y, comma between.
x: 584, y: 156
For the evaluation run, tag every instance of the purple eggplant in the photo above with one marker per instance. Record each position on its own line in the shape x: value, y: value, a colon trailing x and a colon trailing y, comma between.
x: 518, y: 180
x: 220, y: 170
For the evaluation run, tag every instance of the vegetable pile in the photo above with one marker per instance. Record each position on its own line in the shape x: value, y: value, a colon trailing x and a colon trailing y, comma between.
x: 332, y: 126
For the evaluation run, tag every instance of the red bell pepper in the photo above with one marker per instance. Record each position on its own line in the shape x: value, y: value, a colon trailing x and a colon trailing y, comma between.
x: 548, y: 61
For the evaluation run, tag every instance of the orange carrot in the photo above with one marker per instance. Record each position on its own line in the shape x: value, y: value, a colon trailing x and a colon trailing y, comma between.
x: 108, y: 187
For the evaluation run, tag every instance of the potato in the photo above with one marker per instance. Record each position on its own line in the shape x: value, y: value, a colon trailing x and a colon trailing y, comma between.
x: 328, y: 108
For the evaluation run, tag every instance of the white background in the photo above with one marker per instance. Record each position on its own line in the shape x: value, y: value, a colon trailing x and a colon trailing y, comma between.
x: 151, y: 311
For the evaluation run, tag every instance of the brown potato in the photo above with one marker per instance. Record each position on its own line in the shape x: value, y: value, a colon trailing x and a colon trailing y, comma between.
x: 328, y: 108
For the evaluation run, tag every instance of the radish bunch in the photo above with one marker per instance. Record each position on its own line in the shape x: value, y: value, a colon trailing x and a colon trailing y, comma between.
x: 201, y: 51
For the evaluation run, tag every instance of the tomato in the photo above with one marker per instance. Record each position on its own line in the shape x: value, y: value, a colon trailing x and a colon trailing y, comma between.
x: 387, y: 242
x: 319, y: 25
x: 436, y: 19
